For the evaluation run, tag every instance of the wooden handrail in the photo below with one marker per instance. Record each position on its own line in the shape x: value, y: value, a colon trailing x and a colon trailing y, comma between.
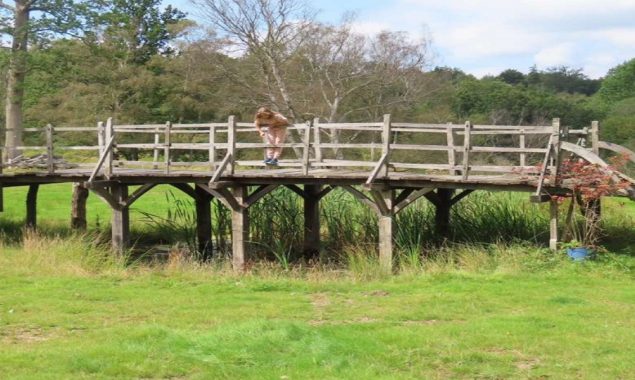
x: 102, y: 159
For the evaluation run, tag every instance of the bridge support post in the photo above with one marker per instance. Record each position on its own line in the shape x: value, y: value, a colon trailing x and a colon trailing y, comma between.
x: 203, y: 202
x: 386, y: 216
x: 553, y: 225
x: 120, y: 218
x: 442, y: 214
x: 240, y: 228
x: 31, y: 206
x: 78, y: 206
x: 311, y: 220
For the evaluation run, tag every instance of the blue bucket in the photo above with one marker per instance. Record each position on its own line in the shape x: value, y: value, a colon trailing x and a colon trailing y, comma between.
x: 579, y: 254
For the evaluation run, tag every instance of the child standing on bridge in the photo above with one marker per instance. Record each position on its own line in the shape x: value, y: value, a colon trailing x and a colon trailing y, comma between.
x: 276, y: 132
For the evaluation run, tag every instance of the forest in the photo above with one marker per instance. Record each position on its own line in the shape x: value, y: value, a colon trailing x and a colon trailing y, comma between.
x: 73, y: 63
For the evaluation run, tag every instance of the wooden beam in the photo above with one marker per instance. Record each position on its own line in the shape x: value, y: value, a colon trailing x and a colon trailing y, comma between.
x: 168, y: 144
x: 442, y: 214
x: 225, y: 196
x: 386, y: 230
x: 404, y: 202
x: 103, y: 158
x: 187, y: 189
x: 362, y: 197
x: 556, y: 151
x: 155, y: 151
x: 317, y: 148
x: 451, y: 149
x: 385, y: 149
x: 379, y: 167
x: 50, y: 162
x: 260, y: 192
x: 311, y: 221
x: 467, y: 143
x: 231, y: 145
x: 461, y: 195
x: 595, y: 137
x: 553, y: 224
x: 31, y: 206
x: 120, y: 223
x: 103, y: 194
x: 296, y: 189
x: 110, y: 136
x: 305, y: 152
x: 240, y: 229
x: 203, y: 201
x: 221, y: 168
x: 78, y: 206
x: 325, y: 191
x: 139, y: 192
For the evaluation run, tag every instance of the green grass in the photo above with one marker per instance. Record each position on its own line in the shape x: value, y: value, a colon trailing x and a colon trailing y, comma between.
x: 485, y: 307
x: 495, y: 312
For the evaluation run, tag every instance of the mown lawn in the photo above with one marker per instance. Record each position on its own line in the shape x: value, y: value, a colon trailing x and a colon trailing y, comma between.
x: 70, y: 310
x: 553, y: 320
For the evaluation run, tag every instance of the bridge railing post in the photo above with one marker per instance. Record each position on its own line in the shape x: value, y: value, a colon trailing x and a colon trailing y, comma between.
x: 231, y: 142
x: 595, y: 137
x: 50, y: 165
x: 556, y: 130
x: 305, y: 153
x: 168, y: 144
x: 110, y: 133
x: 385, y: 149
x: 467, y: 146
x: 317, y: 150
x: 451, y: 149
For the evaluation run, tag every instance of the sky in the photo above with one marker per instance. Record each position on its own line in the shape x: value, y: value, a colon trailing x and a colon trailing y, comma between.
x: 484, y: 37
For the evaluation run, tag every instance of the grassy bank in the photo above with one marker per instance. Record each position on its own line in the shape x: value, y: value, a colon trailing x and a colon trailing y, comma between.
x: 492, y: 312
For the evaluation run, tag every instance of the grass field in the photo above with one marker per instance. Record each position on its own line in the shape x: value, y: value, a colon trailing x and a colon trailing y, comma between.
x: 69, y: 309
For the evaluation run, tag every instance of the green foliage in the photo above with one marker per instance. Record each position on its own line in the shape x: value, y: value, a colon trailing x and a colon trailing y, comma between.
x: 619, y: 83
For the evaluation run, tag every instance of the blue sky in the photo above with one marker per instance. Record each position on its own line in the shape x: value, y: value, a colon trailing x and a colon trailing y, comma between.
x: 487, y: 36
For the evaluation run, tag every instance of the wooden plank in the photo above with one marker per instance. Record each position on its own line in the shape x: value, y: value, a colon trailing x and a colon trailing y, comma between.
x: 385, y: 149
x: 595, y: 137
x: 231, y: 143
x: 466, y: 149
x: 155, y: 153
x: 78, y: 147
x: 104, y: 157
x: 507, y: 132
x: 386, y: 230
x: 451, y: 148
x: 120, y: 222
x: 361, y: 197
x: 556, y: 151
x: 203, y: 202
x: 211, y: 152
x: 522, y: 143
x: 410, y: 198
x: 499, y: 149
x: 432, y: 148
x: 379, y: 167
x: 74, y: 129
x: 101, y: 136
x: 50, y: 166
x: 376, y: 126
x: 141, y: 190
x: 221, y: 168
x: 418, y: 130
x: 317, y: 146
x: 306, y: 149
x: 437, y: 128
x: 167, y: 143
x: 545, y: 166
x: 110, y: 137
x: 260, y: 192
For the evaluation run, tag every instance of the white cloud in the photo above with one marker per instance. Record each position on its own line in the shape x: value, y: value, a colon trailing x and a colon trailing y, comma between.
x: 554, y: 55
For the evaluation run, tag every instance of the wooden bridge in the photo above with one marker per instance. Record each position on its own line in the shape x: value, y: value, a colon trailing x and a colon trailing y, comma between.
x: 386, y: 165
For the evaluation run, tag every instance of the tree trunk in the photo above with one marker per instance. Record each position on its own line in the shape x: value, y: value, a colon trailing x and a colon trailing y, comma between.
x: 15, y: 79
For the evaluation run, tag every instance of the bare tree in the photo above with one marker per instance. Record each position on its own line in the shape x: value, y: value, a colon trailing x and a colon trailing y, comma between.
x: 270, y: 31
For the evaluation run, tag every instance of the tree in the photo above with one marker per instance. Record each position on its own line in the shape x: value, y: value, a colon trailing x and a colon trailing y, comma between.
x: 53, y: 16
x: 619, y: 83
x: 511, y: 76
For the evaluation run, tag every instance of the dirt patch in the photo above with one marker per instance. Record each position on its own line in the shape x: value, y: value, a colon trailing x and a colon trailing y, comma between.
x: 25, y: 335
x: 521, y: 361
x: 320, y: 300
x: 378, y: 293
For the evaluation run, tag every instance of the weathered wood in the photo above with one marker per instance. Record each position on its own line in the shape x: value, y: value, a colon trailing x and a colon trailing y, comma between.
x: 553, y: 224
x: 460, y: 196
x: 257, y: 194
x: 78, y: 206
x: 141, y: 190
x: 466, y: 149
x: 31, y: 206
x: 556, y: 151
x: 105, y: 156
x: 451, y: 148
x: 431, y: 148
x: 211, y: 152
x: 231, y: 143
x: 543, y: 170
x: 400, y: 204
x: 595, y: 137
x: 317, y: 138
x: 110, y: 138
x: 386, y: 230
x: 221, y: 168
x: 306, y: 149
x: 155, y: 153
x: 442, y: 214
x: 498, y: 149
x: 311, y: 246
x: 49, y: 149
x: 167, y: 143
x: 522, y: 142
x: 296, y: 189
x: 203, y: 201
x: 120, y: 223
x: 101, y: 137
x: 385, y: 149
x: 379, y: 168
x: 362, y: 198
x: 240, y: 229
x: 74, y: 129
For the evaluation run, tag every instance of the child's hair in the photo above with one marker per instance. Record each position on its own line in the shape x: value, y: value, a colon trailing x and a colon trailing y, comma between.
x: 264, y: 112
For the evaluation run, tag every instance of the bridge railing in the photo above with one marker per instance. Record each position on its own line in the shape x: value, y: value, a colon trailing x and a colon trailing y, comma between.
x: 222, y: 148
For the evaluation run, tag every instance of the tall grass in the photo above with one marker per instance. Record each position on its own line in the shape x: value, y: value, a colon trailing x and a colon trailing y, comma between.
x: 349, y: 230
